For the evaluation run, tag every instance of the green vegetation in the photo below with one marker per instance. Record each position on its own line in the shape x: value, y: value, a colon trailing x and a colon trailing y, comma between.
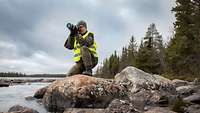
x: 183, y: 51
x: 180, y: 58
x: 179, y: 106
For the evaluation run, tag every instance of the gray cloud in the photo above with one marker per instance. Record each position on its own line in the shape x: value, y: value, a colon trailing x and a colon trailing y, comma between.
x: 146, y: 7
x: 29, y: 29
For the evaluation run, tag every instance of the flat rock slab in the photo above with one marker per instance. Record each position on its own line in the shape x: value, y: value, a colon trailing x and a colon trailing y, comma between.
x: 195, y: 98
x: 21, y: 109
x: 159, y: 110
x: 193, y: 109
x: 178, y: 82
x: 84, y: 110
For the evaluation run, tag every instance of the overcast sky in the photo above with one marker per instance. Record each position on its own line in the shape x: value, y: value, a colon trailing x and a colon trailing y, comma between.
x: 33, y: 32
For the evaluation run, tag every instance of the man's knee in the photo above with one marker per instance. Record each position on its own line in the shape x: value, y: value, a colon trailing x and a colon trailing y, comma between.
x: 76, y: 69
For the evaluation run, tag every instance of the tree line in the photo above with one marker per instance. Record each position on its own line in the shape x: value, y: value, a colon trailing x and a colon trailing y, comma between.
x: 12, y: 74
x: 149, y: 56
x: 180, y: 57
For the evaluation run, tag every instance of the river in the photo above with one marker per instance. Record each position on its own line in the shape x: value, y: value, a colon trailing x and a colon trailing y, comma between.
x: 12, y: 95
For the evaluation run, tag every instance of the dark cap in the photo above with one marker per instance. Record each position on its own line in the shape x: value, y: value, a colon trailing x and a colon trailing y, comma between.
x: 82, y: 23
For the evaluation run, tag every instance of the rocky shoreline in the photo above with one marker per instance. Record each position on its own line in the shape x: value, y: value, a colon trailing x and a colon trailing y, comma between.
x: 132, y: 91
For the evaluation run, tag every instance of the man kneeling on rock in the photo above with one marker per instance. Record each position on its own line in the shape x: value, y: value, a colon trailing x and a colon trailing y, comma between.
x: 82, y: 42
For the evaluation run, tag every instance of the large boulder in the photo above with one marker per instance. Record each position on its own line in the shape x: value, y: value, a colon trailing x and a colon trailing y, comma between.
x: 21, y: 109
x: 139, y: 79
x: 146, y: 89
x: 81, y: 91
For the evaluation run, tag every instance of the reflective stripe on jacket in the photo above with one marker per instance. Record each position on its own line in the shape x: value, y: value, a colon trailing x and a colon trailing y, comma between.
x: 77, y: 50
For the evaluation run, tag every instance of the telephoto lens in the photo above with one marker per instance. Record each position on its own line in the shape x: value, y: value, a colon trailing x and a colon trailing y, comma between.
x: 69, y: 26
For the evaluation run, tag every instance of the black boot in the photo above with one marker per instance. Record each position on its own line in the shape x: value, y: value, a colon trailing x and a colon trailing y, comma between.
x: 88, y: 71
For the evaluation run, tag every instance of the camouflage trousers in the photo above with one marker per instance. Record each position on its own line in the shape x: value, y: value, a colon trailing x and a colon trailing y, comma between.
x: 87, y: 61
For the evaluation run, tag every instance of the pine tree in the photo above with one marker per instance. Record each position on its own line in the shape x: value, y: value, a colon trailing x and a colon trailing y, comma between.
x: 183, y: 52
x: 149, y: 54
x: 123, y: 58
x: 105, y: 68
x: 132, y: 51
x: 114, y: 64
x: 110, y: 67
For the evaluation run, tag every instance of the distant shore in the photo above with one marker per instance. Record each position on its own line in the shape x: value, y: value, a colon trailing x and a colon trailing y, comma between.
x: 16, y: 74
x: 7, y: 81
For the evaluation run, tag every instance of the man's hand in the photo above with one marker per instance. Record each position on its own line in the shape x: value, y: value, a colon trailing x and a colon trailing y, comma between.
x: 73, y: 30
x: 80, y: 40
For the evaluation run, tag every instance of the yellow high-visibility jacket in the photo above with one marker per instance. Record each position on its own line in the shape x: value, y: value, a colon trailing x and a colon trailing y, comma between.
x: 77, y: 46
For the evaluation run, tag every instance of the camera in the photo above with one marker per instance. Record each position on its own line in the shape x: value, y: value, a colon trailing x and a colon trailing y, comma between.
x: 72, y: 28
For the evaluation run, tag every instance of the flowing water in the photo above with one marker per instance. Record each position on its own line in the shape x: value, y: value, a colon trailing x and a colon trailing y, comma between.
x: 12, y: 95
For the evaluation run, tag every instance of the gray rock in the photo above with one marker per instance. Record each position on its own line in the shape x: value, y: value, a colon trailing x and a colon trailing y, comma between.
x: 178, y: 82
x: 3, y: 84
x: 145, y: 98
x: 40, y: 93
x: 21, y: 109
x: 81, y: 91
x: 17, y: 81
x: 116, y: 106
x: 195, y: 98
x: 196, y: 89
x: 159, y: 110
x: 84, y: 110
x: 146, y: 89
x: 142, y: 80
x: 192, y: 109
x: 29, y: 98
x: 184, y: 91
x: 48, y: 80
x: 121, y: 106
